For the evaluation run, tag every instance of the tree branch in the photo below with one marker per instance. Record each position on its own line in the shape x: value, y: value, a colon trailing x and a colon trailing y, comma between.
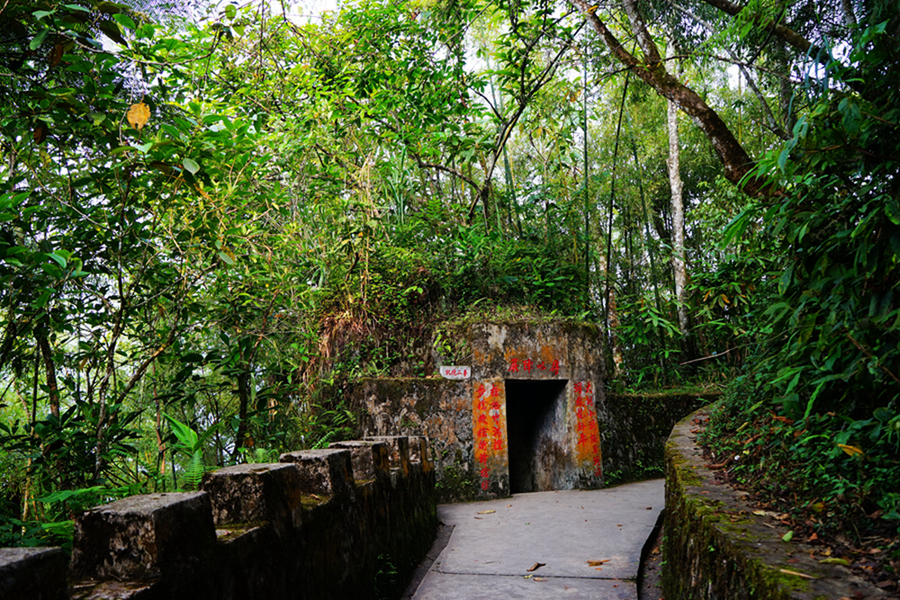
x: 774, y: 126
x: 734, y: 158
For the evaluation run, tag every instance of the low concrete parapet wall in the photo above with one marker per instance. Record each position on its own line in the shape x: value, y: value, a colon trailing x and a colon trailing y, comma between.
x: 715, y: 548
x: 320, y: 524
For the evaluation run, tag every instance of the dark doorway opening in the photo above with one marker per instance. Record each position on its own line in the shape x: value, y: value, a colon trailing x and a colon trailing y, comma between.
x: 535, y: 426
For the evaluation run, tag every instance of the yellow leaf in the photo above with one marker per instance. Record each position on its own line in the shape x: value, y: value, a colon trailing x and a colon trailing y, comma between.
x: 804, y: 575
x: 851, y: 450
x: 486, y: 512
x: 138, y: 115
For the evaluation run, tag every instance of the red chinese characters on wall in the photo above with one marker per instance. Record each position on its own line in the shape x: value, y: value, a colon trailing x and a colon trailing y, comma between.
x: 527, y: 366
x: 587, y: 434
x: 490, y: 430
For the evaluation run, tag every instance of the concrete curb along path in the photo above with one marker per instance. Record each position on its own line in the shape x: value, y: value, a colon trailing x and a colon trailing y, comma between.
x: 494, y: 543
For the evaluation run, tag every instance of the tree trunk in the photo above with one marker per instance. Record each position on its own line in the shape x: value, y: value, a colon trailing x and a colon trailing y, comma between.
x: 618, y: 358
x: 50, y: 369
x: 674, y: 165
x: 243, y: 382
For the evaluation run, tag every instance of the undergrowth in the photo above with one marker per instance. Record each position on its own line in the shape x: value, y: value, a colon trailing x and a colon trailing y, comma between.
x: 838, y: 477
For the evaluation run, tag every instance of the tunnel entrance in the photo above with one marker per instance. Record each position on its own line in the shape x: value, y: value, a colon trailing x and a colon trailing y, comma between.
x: 536, y: 430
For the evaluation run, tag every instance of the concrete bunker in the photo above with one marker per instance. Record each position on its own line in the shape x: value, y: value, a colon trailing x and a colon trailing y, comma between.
x: 536, y: 428
x: 517, y: 411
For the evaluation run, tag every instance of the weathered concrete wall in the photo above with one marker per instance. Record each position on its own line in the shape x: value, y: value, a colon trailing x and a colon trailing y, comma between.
x: 715, y: 548
x: 321, y: 524
x: 438, y: 409
x: 635, y: 428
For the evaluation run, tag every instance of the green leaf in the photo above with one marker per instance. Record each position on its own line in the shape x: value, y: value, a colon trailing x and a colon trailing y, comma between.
x: 59, y: 259
x: 735, y: 229
x: 835, y: 561
x: 111, y: 29
x: 191, y: 165
x: 230, y: 11
x: 783, y: 158
x: 892, y: 210
x: 42, y: 300
x: 187, y: 436
x: 125, y: 21
x: 38, y: 39
x: 63, y: 495
x: 788, y: 536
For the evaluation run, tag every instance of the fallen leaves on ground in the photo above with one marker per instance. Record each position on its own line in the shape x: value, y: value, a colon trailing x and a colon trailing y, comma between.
x: 537, y: 566
x: 597, y: 563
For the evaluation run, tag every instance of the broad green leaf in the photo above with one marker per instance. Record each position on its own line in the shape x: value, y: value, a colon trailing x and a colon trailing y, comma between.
x: 783, y: 158
x: 38, y: 39
x: 187, y: 436
x: 892, y: 209
x: 191, y: 165
x: 124, y: 20
x: 42, y: 300
x: 59, y: 259
x: 63, y: 495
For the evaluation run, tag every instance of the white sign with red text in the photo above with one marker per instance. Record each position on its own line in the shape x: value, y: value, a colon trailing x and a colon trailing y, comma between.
x: 456, y: 372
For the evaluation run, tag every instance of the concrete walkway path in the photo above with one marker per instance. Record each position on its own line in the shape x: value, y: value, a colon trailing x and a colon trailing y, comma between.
x: 588, y: 543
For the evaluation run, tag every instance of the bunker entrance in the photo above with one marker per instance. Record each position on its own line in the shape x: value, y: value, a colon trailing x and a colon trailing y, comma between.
x: 535, y: 425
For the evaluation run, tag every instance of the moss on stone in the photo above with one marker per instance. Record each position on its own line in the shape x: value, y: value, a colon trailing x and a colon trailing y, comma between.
x: 777, y: 579
x: 713, y: 550
x: 312, y: 501
x: 457, y: 483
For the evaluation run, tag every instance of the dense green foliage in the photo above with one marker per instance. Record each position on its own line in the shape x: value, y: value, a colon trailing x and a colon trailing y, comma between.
x: 818, y: 405
x: 213, y: 219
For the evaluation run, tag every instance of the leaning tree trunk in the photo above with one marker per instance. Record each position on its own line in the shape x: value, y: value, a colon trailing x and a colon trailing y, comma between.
x: 651, y: 70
